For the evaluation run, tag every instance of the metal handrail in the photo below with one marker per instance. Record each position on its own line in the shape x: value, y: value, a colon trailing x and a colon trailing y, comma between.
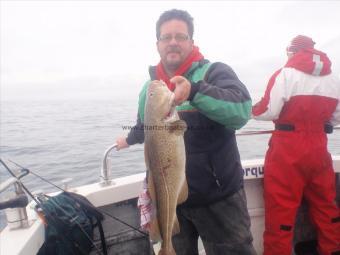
x: 15, y: 208
x: 4, y: 185
x: 105, y: 176
x: 262, y: 132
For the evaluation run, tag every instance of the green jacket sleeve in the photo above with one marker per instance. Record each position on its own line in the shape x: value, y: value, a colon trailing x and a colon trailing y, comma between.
x: 222, y: 97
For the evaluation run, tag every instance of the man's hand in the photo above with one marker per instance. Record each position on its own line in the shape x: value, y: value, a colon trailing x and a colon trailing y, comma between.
x: 182, y: 90
x: 121, y: 143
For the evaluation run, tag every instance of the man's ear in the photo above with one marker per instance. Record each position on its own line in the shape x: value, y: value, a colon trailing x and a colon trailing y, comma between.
x: 157, y: 45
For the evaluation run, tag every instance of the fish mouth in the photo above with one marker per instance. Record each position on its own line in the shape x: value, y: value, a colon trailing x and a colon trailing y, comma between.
x: 171, y: 115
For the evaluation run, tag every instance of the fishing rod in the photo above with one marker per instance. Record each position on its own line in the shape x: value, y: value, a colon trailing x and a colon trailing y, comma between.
x: 254, y: 132
x: 263, y: 132
x: 39, y: 203
x: 102, y: 211
x: 26, y: 172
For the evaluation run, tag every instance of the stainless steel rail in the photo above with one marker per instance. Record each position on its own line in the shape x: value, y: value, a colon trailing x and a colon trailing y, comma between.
x: 15, y: 208
x: 105, y: 176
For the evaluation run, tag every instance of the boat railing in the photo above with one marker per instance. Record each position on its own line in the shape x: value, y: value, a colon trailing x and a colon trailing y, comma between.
x: 106, y: 175
x: 15, y: 207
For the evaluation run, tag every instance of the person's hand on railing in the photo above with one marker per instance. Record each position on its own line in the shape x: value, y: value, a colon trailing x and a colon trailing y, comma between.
x: 121, y: 143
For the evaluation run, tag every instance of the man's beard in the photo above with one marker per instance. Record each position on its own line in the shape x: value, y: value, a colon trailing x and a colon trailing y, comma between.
x: 172, y: 67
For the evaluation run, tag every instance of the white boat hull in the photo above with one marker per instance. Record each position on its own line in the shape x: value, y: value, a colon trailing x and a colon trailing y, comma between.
x: 28, y: 241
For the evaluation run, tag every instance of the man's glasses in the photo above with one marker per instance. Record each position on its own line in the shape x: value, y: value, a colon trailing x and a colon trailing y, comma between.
x: 178, y: 37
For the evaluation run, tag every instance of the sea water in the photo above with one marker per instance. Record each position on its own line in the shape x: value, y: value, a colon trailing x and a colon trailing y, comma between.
x: 59, y: 139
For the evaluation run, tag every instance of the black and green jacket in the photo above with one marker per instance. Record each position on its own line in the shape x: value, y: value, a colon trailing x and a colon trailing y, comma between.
x: 218, y: 105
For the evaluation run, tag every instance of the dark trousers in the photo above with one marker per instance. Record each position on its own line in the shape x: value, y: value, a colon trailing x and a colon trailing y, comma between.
x: 224, y: 228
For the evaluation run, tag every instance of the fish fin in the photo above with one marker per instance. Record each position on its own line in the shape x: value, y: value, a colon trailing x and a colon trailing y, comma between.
x: 154, y: 232
x: 178, y: 127
x: 183, y: 194
x: 175, y: 228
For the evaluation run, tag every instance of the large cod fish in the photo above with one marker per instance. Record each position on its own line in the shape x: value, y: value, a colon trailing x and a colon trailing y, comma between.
x: 165, y: 161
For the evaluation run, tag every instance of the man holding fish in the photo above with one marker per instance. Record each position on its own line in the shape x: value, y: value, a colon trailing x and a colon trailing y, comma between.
x: 187, y: 116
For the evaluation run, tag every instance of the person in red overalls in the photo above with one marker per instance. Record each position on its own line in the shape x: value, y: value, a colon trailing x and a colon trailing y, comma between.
x: 302, y: 99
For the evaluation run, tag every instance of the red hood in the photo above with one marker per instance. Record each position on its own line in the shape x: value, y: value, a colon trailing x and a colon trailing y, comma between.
x: 310, y: 61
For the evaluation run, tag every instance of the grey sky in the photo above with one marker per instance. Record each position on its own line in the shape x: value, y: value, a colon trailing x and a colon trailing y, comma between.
x: 93, y: 49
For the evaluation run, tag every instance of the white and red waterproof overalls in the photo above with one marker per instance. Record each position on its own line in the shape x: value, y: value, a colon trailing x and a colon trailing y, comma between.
x: 302, y: 99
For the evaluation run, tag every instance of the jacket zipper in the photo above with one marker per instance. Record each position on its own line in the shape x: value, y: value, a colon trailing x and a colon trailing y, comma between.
x: 215, y: 176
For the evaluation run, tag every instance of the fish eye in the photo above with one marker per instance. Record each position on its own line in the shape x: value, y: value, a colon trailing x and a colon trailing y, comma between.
x: 151, y: 94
